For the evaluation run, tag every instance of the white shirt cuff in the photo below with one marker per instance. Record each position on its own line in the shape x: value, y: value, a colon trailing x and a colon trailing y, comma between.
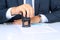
x: 8, y: 14
x: 43, y: 18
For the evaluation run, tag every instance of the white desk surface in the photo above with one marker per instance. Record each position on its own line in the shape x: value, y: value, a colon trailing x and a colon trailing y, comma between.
x: 41, y: 31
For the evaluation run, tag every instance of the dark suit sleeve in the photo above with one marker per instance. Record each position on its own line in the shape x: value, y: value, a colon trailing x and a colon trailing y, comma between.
x: 3, y: 16
x: 54, y: 7
x: 3, y: 10
x: 53, y: 17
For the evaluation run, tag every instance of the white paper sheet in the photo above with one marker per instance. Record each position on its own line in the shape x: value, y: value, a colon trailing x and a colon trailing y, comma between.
x: 38, y: 28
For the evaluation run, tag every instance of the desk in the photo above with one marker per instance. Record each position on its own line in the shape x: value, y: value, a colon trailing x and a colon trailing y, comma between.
x: 41, y: 31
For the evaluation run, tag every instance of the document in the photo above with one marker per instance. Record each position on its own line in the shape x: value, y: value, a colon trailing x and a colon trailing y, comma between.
x: 38, y: 28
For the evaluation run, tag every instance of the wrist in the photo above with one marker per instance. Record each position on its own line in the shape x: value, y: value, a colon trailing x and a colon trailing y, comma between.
x: 36, y: 19
x: 39, y: 17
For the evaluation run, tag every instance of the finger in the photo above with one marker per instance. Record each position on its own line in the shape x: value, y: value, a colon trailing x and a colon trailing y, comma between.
x: 27, y: 10
x: 31, y: 10
x: 22, y: 11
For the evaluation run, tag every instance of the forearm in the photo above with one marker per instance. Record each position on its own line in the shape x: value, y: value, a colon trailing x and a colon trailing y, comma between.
x: 33, y: 20
x: 3, y: 16
x: 53, y: 17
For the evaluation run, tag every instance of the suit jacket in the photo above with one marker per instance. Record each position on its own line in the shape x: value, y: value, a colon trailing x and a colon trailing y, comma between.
x: 41, y: 7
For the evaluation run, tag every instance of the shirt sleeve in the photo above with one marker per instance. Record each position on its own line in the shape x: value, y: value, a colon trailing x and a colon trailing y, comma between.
x: 43, y: 18
x: 8, y: 14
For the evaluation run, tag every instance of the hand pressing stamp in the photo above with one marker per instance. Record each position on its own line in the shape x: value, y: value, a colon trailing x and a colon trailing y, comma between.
x: 25, y: 21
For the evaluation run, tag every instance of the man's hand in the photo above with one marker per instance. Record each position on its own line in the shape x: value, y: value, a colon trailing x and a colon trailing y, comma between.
x: 35, y: 19
x: 23, y: 9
